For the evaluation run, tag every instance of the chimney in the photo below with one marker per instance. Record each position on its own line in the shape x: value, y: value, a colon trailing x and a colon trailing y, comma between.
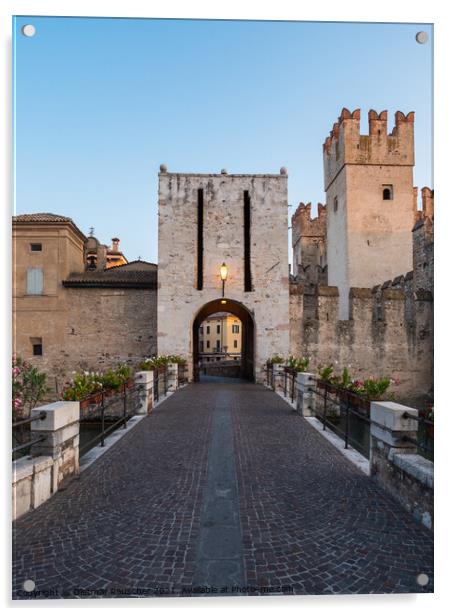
x: 115, y: 244
x: 101, y: 257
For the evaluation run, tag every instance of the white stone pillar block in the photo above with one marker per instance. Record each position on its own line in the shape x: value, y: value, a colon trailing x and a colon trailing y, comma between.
x: 145, y: 379
x: 278, y: 377
x: 305, y: 397
x: 389, y: 425
x: 59, y: 431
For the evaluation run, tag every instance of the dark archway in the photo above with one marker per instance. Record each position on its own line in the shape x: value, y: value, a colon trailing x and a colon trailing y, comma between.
x: 248, y: 329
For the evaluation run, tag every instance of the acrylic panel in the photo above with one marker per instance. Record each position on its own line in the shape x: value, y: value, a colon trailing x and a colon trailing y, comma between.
x: 222, y: 307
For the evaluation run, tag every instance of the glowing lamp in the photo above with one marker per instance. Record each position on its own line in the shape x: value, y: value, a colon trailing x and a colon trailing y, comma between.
x: 224, y: 271
x: 223, y: 274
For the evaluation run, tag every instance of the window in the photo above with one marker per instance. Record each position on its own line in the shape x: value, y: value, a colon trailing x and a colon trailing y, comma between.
x: 235, y: 344
x: 208, y: 344
x: 387, y: 192
x: 217, y: 346
x: 208, y: 329
x: 35, y: 281
x: 201, y: 347
x: 235, y: 329
x: 36, y: 344
x: 218, y: 329
x: 36, y: 247
x: 335, y: 204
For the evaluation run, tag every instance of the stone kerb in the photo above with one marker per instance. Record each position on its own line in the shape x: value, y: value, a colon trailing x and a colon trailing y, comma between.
x: 305, y: 397
x: 394, y: 462
x: 145, y: 380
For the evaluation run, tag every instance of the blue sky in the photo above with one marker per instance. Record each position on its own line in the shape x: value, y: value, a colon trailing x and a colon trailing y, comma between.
x: 100, y: 103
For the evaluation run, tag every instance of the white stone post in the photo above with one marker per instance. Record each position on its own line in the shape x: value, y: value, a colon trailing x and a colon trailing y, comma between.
x: 145, y: 379
x: 305, y: 397
x: 173, y: 377
x: 278, y: 377
x: 60, y: 438
x: 389, y: 427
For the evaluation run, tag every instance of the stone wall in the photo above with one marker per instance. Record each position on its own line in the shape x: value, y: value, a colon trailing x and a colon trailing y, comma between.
x: 423, y: 254
x: 389, y: 333
x: 109, y: 326
x: 99, y: 329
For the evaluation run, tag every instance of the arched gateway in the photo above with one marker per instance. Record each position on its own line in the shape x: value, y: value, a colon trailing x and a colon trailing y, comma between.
x: 223, y: 238
x: 247, y: 333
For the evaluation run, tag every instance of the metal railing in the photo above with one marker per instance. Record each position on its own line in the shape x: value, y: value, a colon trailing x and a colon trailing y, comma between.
x: 160, y: 382
x: 19, y: 434
x: 341, y: 406
x: 270, y: 376
x: 128, y: 408
x: 290, y: 378
x: 422, y: 443
x: 182, y: 374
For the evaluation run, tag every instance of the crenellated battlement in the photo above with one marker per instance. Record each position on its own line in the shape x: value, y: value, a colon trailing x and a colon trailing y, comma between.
x: 307, y: 226
x: 346, y: 145
x: 308, y: 243
x: 428, y: 203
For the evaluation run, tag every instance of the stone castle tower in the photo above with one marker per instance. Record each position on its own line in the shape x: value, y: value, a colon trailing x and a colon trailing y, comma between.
x: 206, y: 220
x: 371, y: 206
x: 309, y: 243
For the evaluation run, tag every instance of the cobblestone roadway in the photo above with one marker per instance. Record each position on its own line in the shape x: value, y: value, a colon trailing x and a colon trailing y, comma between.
x: 309, y: 519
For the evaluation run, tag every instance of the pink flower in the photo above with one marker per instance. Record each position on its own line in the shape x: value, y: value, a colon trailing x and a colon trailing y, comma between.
x: 17, y: 403
x: 16, y: 371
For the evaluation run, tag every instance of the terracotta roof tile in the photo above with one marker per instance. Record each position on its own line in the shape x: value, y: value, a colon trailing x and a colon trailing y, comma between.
x: 114, y: 277
x: 41, y: 217
x: 46, y: 217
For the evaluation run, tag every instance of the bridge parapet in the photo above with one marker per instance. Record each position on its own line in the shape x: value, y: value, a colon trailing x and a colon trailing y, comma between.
x: 394, y: 461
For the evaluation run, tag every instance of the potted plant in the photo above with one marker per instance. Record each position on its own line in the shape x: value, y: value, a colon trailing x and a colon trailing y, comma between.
x: 84, y: 387
x: 297, y: 364
x: 325, y: 375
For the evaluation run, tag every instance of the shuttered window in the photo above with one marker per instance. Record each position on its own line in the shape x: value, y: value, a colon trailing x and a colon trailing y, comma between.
x: 35, y: 281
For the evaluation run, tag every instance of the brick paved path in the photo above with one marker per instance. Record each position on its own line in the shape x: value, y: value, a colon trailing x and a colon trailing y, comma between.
x: 221, y: 480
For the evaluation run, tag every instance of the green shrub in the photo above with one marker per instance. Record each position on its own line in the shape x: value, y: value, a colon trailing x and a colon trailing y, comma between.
x: 300, y: 364
x: 29, y: 387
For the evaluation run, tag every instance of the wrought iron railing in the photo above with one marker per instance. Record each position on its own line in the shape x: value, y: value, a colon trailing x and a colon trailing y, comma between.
x: 425, y: 434
x: 270, y: 378
x: 346, y: 414
x: 290, y: 380
x: 20, y: 441
x: 182, y: 374
x: 124, y: 403
x: 160, y: 382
